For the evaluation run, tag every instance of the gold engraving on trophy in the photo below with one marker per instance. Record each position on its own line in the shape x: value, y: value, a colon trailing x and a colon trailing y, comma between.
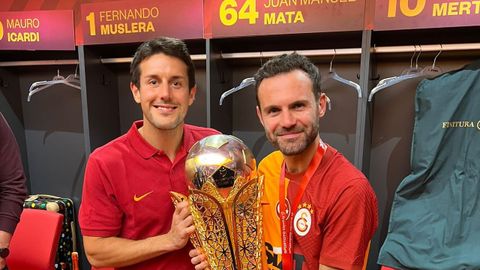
x: 224, y: 198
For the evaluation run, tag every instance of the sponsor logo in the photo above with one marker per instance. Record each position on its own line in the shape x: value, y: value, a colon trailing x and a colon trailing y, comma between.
x: 139, y: 198
x: 303, y: 219
x: 461, y: 124
x: 274, y: 258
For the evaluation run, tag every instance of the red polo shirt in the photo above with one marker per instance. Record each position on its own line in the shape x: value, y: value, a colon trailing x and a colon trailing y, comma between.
x: 126, y: 192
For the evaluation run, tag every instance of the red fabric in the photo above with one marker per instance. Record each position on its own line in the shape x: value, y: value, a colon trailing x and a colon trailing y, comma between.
x: 35, y: 241
x: 342, y: 215
x: 128, y: 167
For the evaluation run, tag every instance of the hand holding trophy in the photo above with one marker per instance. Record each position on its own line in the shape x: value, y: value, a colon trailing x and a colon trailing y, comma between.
x: 224, y: 200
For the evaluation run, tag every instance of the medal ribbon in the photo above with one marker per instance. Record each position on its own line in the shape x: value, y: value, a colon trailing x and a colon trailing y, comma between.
x: 286, y: 219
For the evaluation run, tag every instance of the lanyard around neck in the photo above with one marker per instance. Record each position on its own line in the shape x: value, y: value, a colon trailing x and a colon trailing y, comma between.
x: 286, y: 219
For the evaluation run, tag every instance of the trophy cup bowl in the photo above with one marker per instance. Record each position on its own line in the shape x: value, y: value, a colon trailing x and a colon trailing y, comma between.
x: 220, y: 160
x: 224, y: 196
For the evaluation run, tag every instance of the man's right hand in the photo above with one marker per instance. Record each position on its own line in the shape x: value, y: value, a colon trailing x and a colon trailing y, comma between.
x: 198, y: 259
x: 182, y: 225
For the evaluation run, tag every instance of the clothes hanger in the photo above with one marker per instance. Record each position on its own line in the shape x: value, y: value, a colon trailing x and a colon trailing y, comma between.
x: 334, y: 76
x: 395, y: 79
x: 433, y: 70
x: 245, y: 83
x: 410, y: 73
x: 71, y: 80
x: 407, y: 74
x: 251, y: 80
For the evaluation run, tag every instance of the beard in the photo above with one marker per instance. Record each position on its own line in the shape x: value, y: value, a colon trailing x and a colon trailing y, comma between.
x: 294, y: 146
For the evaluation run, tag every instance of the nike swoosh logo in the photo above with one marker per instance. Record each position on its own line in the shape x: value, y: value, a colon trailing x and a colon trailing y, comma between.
x: 137, y: 199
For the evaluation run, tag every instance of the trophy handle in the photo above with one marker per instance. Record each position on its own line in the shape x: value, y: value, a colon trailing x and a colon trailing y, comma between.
x: 176, y: 198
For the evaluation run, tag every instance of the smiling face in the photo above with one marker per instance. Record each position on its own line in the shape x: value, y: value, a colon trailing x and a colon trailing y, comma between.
x: 289, y: 111
x: 163, y: 92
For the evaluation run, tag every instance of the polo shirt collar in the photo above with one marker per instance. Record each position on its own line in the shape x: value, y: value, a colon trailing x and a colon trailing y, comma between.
x: 145, y: 150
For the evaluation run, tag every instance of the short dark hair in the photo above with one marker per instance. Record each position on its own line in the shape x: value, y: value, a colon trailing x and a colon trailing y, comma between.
x: 168, y: 46
x: 285, y: 63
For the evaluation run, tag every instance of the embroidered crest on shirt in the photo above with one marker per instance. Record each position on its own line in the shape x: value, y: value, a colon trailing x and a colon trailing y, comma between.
x: 303, y: 219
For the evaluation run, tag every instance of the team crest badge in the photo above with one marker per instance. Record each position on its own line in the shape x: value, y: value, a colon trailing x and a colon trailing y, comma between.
x: 303, y: 219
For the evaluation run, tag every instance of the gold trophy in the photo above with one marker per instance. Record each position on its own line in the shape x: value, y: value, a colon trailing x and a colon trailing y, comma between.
x: 224, y: 200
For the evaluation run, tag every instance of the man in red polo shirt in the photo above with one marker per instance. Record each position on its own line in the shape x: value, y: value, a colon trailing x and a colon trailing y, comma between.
x: 127, y: 218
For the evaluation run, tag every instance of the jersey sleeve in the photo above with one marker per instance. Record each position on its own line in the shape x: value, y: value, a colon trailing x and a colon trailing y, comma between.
x: 99, y: 215
x: 352, y: 220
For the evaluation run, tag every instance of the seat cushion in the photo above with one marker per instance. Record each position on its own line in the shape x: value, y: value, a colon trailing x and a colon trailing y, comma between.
x: 35, y: 241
